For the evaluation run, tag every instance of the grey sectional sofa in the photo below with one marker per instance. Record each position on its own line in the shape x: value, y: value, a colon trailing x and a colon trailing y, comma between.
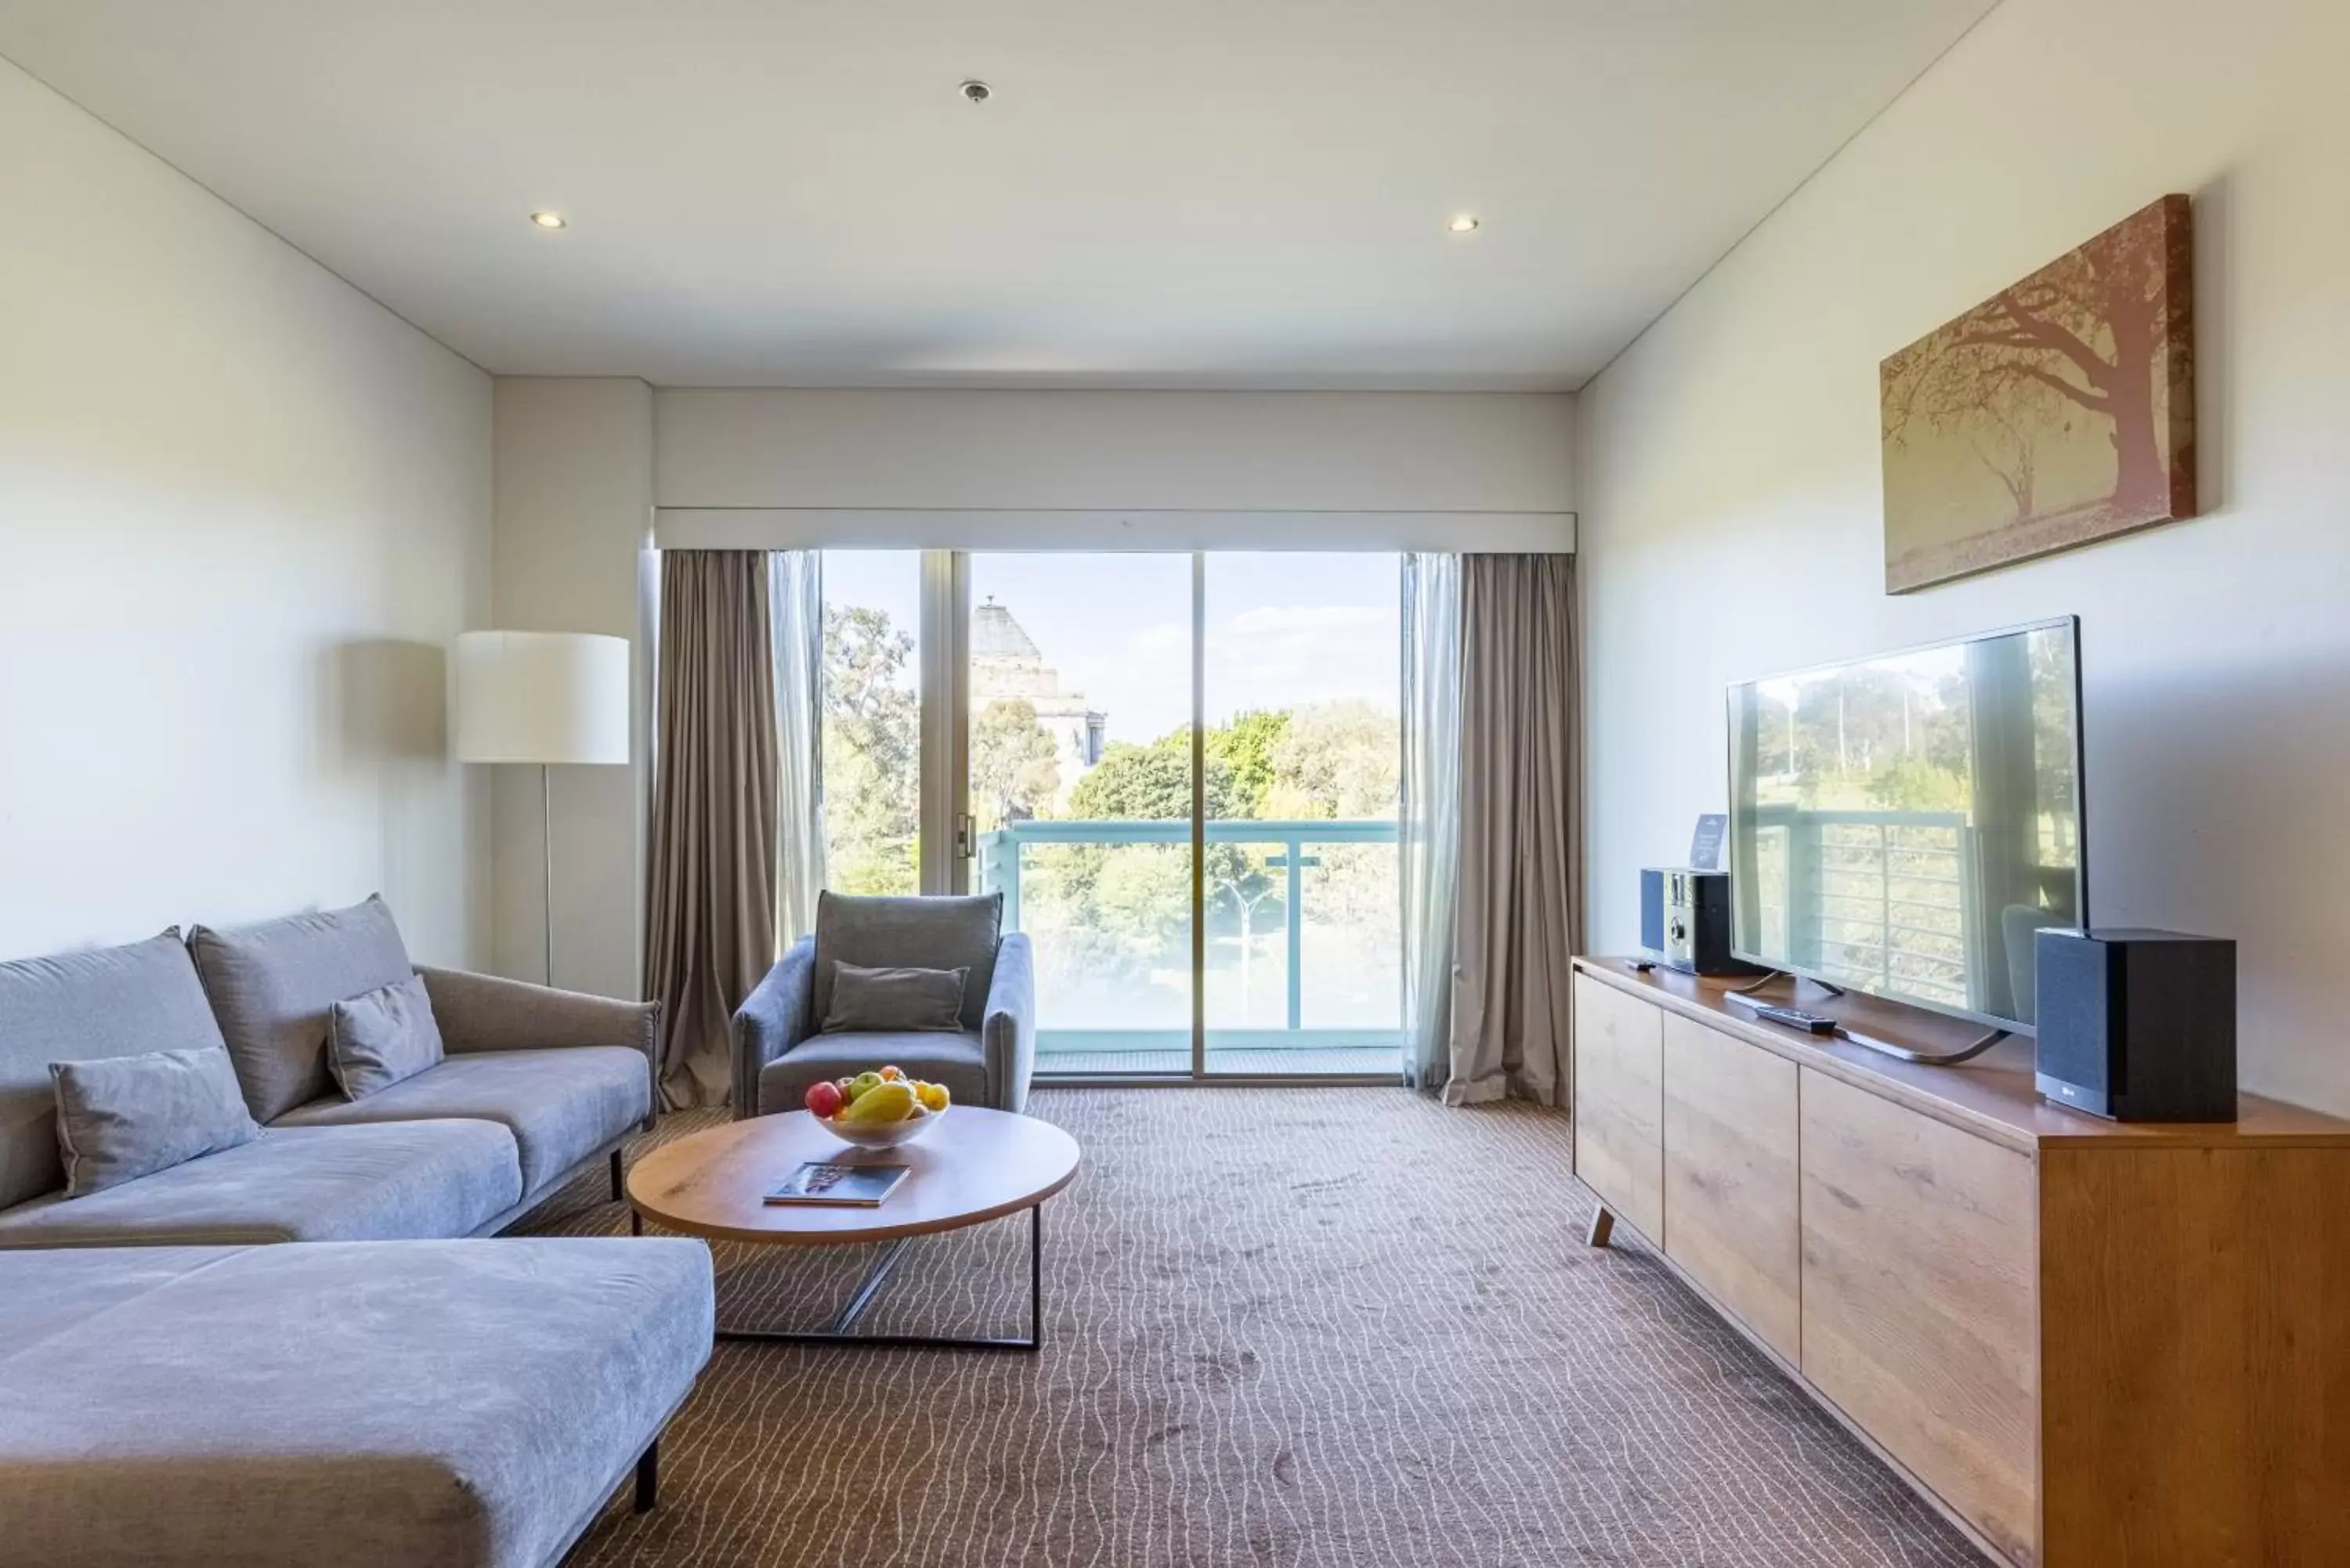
x: 538, y: 1085
x: 173, y: 1395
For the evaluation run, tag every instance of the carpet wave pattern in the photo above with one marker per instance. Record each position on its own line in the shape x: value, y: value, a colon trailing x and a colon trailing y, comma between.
x: 1298, y: 1327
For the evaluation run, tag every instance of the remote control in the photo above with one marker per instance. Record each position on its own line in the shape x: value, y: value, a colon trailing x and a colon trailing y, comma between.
x: 1796, y: 1018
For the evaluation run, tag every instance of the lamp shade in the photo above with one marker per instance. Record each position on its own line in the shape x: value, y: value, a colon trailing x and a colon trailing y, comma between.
x: 542, y: 696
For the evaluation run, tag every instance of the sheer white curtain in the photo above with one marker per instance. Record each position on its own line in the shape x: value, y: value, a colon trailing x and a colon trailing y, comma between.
x: 796, y: 593
x: 1431, y: 810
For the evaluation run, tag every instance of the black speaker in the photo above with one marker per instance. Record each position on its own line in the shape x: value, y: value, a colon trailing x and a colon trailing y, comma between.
x: 2137, y: 1026
x: 1685, y: 920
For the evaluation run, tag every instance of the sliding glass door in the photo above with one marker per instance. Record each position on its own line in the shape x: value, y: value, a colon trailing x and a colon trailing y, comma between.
x: 1080, y: 696
x: 1180, y: 771
x: 1303, y: 750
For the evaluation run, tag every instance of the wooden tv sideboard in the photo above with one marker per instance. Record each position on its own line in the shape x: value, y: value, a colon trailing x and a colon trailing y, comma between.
x: 2090, y: 1344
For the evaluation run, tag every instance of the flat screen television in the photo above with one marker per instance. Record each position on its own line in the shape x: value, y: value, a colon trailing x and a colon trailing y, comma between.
x: 1901, y: 825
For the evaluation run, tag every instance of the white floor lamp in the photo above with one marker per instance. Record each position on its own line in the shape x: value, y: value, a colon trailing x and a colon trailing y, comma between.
x: 546, y: 697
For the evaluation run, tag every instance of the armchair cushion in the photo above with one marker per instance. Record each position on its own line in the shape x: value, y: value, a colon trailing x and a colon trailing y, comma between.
x: 895, y: 999
x: 958, y: 1060
x: 908, y: 933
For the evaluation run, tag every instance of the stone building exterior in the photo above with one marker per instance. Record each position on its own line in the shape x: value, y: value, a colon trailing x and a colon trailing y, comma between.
x: 1005, y: 662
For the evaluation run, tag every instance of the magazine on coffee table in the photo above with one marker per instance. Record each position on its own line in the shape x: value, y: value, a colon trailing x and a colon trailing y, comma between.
x: 846, y: 1185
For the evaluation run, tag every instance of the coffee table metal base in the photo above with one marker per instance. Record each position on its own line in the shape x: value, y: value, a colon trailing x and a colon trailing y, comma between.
x: 842, y: 1329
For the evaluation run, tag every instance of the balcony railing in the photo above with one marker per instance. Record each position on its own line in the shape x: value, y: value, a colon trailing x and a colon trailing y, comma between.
x: 1316, y: 899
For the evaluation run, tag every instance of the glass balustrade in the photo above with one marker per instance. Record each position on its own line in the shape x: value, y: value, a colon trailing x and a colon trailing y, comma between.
x: 1301, y: 939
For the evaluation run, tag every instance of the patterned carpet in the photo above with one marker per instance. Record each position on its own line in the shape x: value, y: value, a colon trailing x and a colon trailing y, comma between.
x: 1305, y: 1328
x: 1283, y: 1064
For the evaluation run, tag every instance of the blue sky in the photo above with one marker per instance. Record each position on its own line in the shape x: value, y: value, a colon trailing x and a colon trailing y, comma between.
x: 1284, y: 629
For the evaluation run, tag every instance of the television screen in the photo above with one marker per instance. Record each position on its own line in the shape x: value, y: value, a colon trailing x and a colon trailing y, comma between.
x: 1901, y: 825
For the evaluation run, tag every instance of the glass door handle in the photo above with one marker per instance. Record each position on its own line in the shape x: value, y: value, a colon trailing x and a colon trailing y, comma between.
x: 963, y: 848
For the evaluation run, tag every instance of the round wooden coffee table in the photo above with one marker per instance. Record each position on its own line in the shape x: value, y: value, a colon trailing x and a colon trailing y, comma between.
x: 973, y: 1166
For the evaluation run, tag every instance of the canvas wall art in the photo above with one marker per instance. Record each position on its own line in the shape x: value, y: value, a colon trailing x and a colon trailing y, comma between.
x: 2059, y: 411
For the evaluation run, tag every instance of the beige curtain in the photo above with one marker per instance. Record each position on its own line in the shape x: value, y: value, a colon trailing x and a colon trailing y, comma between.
x: 1519, y: 911
x: 710, y: 936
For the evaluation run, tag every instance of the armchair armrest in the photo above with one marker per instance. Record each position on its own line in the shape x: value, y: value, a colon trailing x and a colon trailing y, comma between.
x: 488, y: 1012
x: 1007, y: 1034
x: 772, y: 1020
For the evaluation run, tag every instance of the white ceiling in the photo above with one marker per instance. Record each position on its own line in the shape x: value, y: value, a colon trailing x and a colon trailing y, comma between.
x: 1162, y: 192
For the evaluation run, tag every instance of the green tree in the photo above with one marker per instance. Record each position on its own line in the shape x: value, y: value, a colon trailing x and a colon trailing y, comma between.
x: 1016, y: 767
x: 1152, y: 782
x: 1140, y: 892
x: 1247, y: 746
x: 1335, y: 760
x: 872, y: 757
x: 1344, y: 761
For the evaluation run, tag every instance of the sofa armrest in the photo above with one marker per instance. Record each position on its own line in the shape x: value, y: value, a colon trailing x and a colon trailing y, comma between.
x: 772, y: 1020
x: 1008, y: 1033
x: 489, y: 1012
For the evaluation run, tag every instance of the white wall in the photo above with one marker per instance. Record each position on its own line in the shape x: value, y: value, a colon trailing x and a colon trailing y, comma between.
x: 243, y: 509
x: 1731, y: 526
x: 573, y: 520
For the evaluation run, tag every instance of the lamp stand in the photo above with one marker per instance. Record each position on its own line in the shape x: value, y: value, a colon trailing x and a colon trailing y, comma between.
x: 547, y: 863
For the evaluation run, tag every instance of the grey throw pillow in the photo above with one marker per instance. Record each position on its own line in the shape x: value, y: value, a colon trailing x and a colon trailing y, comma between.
x: 899, y: 933
x: 126, y: 1116
x: 272, y: 984
x: 866, y: 1001
x: 376, y: 1039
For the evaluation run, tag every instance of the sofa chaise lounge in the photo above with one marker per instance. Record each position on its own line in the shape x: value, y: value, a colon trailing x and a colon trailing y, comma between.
x: 463, y: 1404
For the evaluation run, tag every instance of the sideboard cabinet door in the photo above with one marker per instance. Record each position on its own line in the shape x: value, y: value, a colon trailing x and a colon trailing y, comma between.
x: 1920, y: 1310
x: 1729, y: 1178
x: 1619, y: 1104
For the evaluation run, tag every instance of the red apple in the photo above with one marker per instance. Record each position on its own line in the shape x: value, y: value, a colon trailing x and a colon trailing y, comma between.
x: 824, y: 1100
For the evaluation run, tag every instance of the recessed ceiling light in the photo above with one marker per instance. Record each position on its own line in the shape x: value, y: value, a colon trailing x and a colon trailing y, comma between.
x: 976, y: 91
x: 1462, y: 225
x: 549, y: 220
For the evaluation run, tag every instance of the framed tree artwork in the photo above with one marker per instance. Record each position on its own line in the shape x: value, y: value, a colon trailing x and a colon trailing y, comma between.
x: 2059, y: 411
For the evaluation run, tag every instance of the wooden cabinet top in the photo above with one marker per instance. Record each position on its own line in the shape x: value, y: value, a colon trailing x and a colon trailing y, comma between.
x: 1992, y: 1095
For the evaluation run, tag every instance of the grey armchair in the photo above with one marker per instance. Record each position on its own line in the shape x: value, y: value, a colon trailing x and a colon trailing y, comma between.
x: 780, y: 1047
